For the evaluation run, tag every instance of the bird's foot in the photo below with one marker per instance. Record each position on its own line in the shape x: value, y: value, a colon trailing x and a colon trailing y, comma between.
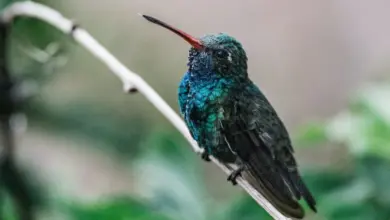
x: 205, y: 156
x: 233, y: 176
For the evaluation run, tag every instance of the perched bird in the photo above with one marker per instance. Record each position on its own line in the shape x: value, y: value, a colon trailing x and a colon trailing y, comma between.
x: 233, y: 121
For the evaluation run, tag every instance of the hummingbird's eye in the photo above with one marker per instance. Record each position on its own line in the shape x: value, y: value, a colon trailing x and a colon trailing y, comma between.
x: 222, y: 54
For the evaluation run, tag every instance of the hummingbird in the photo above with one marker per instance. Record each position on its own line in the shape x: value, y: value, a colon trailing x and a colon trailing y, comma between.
x: 232, y: 120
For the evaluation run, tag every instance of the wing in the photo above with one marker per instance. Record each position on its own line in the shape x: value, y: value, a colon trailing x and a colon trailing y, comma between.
x: 259, y: 139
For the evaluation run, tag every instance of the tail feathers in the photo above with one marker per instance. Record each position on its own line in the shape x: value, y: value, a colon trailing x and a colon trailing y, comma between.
x: 263, y: 176
x: 290, y: 181
x: 299, y: 188
x: 285, y: 205
x: 304, y: 191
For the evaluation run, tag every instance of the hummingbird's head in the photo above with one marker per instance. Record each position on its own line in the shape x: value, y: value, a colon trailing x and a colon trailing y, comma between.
x: 218, y: 54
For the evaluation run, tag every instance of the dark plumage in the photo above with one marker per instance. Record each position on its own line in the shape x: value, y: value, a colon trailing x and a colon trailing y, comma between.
x: 232, y: 120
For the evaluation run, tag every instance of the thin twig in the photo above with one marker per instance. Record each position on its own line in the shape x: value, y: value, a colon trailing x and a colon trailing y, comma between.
x: 10, y: 176
x: 130, y: 79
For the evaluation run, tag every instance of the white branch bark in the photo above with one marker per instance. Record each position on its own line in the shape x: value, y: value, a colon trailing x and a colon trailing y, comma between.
x: 130, y: 79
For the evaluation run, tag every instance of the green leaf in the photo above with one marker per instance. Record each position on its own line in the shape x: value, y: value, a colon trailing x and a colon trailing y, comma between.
x: 4, y: 3
x: 375, y: 98
x: 361, y: 194
x: 323, y: 182
x: 365, y: 126
x: 353, y: 212
x: 7, y: 209
x: 377, y: 171
x: 310, y: 134
x: 118, y: 209
x: 244, y: 208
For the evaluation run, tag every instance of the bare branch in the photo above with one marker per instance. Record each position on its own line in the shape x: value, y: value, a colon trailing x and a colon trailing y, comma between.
x: 130, y: 80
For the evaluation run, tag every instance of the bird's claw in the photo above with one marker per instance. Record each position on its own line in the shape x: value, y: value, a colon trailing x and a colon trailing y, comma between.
x: 205, y: 156
x: 233, y: 176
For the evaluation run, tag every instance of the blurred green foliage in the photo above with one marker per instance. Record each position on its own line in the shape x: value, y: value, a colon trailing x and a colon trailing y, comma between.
x: 169, y: 176
x: 359, y: 191
x: 119, y: 208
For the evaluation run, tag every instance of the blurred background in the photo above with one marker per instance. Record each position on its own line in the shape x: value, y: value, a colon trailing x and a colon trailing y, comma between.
x: 89, y: 151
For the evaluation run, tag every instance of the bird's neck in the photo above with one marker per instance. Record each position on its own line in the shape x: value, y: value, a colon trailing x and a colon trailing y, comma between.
x: 205, y: 78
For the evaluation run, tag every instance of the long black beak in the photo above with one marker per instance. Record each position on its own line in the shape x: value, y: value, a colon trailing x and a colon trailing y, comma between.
x: 195, y: 42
